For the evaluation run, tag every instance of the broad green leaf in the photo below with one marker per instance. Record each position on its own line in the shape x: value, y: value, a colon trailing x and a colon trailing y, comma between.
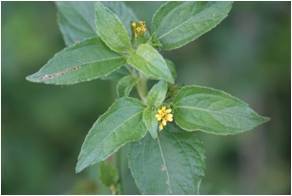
x: 125, y: 85
x: 76, y: 20
x: 213, y: 111
x: 120, y: 124
x: 172, y: 164
x: 108, y: 173
x: 171, y: 67
x: 80, y: 62
x: 148, y: 60
x: 125, y: 14
x: 111, y: 30
x: 180, y: 22
x: 150, y: 121
x: 157, y: 94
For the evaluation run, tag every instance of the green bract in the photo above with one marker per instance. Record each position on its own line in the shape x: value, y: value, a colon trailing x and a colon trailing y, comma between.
x: 101, y: 44
x: 150, y: 121
x: 157, y: 94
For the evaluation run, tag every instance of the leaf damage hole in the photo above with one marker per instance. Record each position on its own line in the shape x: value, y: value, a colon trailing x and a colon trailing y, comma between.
x: 58, y: 74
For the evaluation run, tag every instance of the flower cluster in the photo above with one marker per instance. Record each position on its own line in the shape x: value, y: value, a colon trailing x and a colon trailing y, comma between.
x: 138, y: 28
x: 163, y: 116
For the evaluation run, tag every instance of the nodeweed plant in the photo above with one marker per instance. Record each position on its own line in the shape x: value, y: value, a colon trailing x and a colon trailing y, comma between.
x: 107, y: 41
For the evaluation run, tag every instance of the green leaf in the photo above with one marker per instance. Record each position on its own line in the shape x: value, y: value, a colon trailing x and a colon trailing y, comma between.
x: 150, y: 121
x: 213, y: 111
x: 171, y: 67
x: 76, y: 20
x: 80, y: 62
x: 117, y: 74
x: 111, y: 30
x: 178, y: 23
x: 148, y: 60
x: 120, y: 124
x: 172, y: 164
x: 125, y: 14
x: 125, y: 85
x: 157, y: 93
x: 108, y: 174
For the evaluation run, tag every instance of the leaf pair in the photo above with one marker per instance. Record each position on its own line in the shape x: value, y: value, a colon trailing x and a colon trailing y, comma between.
x: 176, y: 156
x: 174, y: 162
x: 89, y: 58
x: 122, y: 123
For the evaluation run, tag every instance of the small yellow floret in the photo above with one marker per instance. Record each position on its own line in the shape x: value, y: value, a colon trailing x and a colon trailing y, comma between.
x: 138, y: 28
x: 163, y: 116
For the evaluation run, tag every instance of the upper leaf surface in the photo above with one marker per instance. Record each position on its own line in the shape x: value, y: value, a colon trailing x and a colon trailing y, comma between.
x: 111, y: 30
x: 178, y: 23
x: 148, y: 60
x: 76, y: 20
x: 122, y: 123
x: 157, y: 94
x: 80, y: 62
x: 174, y: 164
x: 213, y: 111
x: 125, y: 14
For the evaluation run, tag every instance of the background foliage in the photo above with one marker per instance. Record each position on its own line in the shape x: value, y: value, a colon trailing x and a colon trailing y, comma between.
x: 247, y: 55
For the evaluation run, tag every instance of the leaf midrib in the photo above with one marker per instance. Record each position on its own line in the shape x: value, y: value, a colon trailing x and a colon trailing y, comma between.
x: 165, y: 164
x: 87, y: 63
x: 120, y: 125
x: 170, y: 31
x: 202, y: 109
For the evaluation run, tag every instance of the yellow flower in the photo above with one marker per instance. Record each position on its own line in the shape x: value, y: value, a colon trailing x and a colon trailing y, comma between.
x: 163, y: 116
x: 138, y: 28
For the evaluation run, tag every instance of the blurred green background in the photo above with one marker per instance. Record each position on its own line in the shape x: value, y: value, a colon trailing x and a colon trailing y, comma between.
x: 43, y: 126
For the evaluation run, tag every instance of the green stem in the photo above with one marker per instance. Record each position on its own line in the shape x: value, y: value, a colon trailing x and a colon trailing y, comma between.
x: 142, y: 88
x: 119, y: 167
